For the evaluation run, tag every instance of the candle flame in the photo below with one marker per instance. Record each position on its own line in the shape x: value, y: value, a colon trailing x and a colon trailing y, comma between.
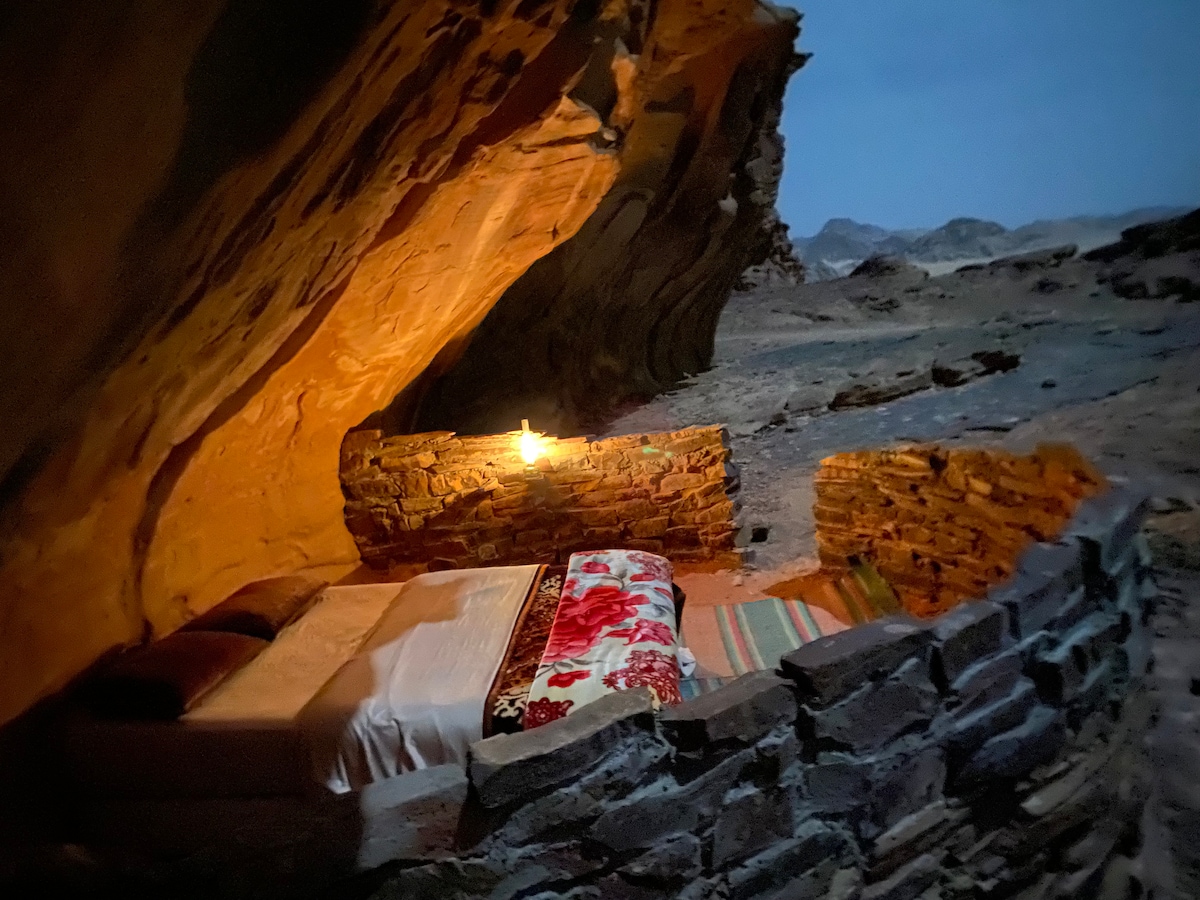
x: 530, y: 447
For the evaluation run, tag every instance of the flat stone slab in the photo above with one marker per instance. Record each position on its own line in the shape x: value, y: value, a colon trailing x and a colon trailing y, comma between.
x: 1111, y: 520
x: 877, y: 713
x: 1046, y: 584
x: 831, y: 667
x: 411, y: 816
x: 1014, y: 753
x: 511, y: 767
x: 968, y: 633
x: 744, y: 710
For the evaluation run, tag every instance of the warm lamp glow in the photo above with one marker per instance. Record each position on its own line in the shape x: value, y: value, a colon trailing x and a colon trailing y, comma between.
x: 531, y: 444
x: 530, y: 450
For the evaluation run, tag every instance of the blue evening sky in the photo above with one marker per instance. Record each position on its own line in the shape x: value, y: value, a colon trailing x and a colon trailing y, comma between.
x: 912, y: 112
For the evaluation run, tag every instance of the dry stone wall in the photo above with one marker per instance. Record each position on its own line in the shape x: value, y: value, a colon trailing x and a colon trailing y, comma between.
x: 993, y: 752
x: 945, y: 525
x: 471, y: 501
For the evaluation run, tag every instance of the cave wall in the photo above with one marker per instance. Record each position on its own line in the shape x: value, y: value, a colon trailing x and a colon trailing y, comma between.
x: 237, y: 233
x: 630, y: 305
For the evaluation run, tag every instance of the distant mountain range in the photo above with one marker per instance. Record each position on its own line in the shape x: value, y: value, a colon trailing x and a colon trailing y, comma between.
x: 843, y: 243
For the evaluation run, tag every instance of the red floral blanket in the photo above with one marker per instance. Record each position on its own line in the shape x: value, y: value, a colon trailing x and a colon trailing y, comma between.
x: 615, y: 628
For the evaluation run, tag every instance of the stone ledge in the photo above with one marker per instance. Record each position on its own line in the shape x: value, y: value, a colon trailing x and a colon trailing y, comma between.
x: 744, y: 710
x: 510, y: 767
x: 1047, y: 578
x: 832, y: 667
x: 966, y: 634
x: 1110, y: 521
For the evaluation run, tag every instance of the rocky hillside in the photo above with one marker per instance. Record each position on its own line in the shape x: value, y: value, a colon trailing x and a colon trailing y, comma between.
x: 843, y: 243
x: 247, y: 227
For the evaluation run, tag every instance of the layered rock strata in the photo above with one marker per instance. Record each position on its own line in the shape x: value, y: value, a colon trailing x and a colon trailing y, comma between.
x: 944, y: 525
x: 472, y: 501
x: 242, y: 231
x: 580, y: 333
x: 994, y: 750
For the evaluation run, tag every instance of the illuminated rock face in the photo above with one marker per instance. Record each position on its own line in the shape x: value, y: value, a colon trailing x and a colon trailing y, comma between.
x: 630, y: 305
x: 234, y: 238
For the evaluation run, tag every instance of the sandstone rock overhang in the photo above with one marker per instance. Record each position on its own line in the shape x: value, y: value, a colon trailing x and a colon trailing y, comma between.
x: 235, y: 234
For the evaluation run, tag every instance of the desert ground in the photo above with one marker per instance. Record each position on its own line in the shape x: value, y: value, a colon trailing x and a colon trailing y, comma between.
x: 1119, y: 378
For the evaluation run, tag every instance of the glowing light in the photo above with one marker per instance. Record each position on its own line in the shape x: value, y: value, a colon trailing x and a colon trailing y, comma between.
x: 531, y: 444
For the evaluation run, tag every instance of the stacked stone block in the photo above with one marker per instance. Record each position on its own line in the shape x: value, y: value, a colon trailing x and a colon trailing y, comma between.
x: 945, y: 525
x: 473, y: 501
x: 993, y: 752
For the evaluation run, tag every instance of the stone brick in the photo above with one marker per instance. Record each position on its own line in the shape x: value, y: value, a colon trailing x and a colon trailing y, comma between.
x: 680, y: 482
x: 633, y: 510
x: 649, y: 546
x: 411, y: 816
x: 1014, y: 753
x: 1110, y: 521
x: 877, y: 790
x: 596, y: 518
x: 989, y: 680
x: 597, y: 498
x: 532, y: 537
x: 743, y: 710
x: 908, y: 777
x: 816, y: 845
x: 831, y: 667
x: 509, y: 767
x: 668, y: 807
x: 878, y: 712
x: 649, y: 528
x: 914, y: 835
x: 677, y: 857
x: 1042, y: 588
x: 457, y: 879
x: 909, y: 882
x: 966, y: 634
x: 970, y: 731
x: 681, y: 537
x: 717, y: 513
x: 750, y: 820
x: 1060, y: 672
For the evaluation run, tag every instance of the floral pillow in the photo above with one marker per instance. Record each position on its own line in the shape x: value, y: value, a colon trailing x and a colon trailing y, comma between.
x: 614, y: 629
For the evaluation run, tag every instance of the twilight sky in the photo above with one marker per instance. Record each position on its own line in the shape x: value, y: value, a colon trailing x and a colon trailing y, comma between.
x: 912, y: 112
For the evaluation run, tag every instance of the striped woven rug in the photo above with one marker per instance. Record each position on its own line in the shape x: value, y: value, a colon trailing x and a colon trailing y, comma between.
x: 734, y: 639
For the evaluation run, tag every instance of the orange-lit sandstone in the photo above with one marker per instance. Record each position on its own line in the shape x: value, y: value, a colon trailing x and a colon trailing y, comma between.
x: 214, y: 334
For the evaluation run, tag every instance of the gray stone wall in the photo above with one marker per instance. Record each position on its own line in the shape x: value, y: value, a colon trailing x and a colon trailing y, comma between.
x: 994, y: 751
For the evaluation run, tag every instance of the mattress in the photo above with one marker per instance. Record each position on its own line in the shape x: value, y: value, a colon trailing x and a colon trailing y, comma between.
x: 416, y: 693
x: 243, y: 739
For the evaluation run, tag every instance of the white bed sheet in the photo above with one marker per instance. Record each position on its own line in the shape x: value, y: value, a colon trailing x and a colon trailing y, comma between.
x: 415, y: 694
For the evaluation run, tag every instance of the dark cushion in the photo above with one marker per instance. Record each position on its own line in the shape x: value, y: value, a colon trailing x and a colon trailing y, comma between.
x: 680, y: 600
x: 261, y: 609
x: 165, y: 679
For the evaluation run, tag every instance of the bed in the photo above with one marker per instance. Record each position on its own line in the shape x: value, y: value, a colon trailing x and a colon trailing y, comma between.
x: 372, y: 681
